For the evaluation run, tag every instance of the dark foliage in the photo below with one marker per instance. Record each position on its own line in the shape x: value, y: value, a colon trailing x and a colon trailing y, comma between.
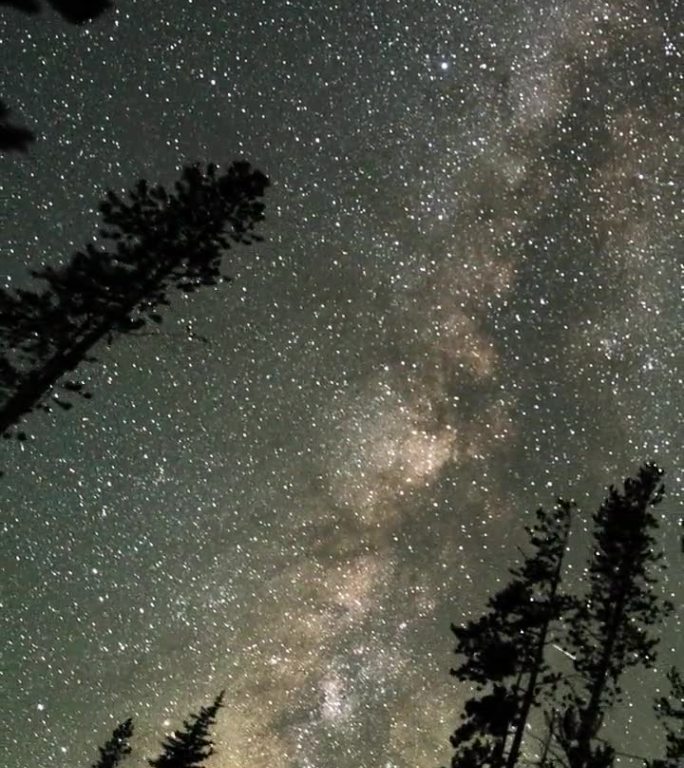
x: 504, y: 650
x: 117, y: 748
x: 670, y: 711
x: 12, y: 137
x: 158, y: 241
x: 190, y: 747
x: 611, y: 631
x: 74, y: 11
x: 483, y: 732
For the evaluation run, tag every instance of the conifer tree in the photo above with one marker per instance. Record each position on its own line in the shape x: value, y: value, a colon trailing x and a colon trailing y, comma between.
x: 504, y: 649
x: 117, y: 748
x: 610, y: 631
x: 159, y: 241
x: 670, y: 711
x: 190, y: 747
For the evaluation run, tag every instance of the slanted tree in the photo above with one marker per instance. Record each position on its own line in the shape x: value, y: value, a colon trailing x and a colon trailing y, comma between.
x: 547, y: 757
x: 117, y: 748
x: 610, y: 630
x: 541, y: 574
x: 670, y: 712
x: 190, y: 747
x: 504, y: 650
x: 161, y: 242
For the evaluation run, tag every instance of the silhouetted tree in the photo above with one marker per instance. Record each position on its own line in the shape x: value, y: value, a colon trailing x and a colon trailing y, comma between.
x: 670, y: 711
x: 74, y: 11
x: 12, y: 137
x: 505, y: 648
x: 190, y: 747
x: 610, y: 630
x: 541, y: 574
x: 161, y: 241
x: 117, y: 748
x: 546, y: 758
x: 484, y: 728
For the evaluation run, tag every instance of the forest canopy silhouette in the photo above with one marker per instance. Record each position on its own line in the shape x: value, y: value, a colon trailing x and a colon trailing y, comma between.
x: 472, y: 297
x: 152, y: 243
x: 507, y: 655
x: 525, y: 710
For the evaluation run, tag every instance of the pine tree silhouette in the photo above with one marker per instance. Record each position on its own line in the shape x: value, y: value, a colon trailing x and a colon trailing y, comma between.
x: 541, y: 574
x: 190, y: 747
x: 610, y: 631
x: 161, y: 241
x: 504, y: 649
x: 117, y: 748
x: 670, y: 711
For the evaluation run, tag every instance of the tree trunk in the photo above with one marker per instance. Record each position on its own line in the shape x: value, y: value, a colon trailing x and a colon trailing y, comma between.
x: 588, y: 716
x: 33, y: 386
x: 528, y: 698
x: 548, y: 740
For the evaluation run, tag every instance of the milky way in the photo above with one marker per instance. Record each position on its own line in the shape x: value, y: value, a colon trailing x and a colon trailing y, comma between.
x: 467, y: 304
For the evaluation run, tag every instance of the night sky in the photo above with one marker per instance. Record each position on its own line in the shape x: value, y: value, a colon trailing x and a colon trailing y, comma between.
x: 467, y: 304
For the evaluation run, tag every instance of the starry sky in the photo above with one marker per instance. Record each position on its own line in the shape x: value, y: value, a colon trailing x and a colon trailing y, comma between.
x: 467, y: 304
